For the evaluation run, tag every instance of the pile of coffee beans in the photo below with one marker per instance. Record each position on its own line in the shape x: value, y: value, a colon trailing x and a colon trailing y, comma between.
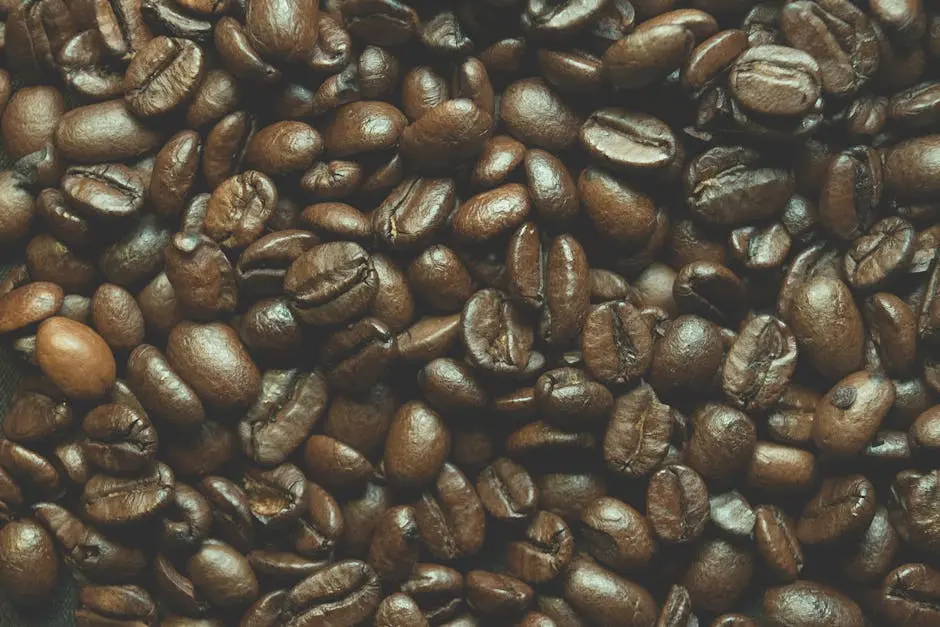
x: 473, y: 313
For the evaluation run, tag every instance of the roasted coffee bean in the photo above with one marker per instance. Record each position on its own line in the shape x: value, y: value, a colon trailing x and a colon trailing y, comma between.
x: 730, y: 186
x: 438, y: 591
x: 759, y: 364
x: 450, y: 516
x: 106, y: 131
x: 604, y: 597
x: 809, y: 603
x: 111, y: 500
x: 75, y: 358
x: 416, y: 446
x: 776, y: 468
x: 495, y: 337
x: 909, y: 595
x: 617, y: 535
x: 119, y: 439
x: 638, y: 434
x: 722, y: 443
x: 878, y: 256
x: 677, y: 504
x: 687, y: 357
x: 872, y: 555
x: 777, y: 543
x: 39, y: 413
x: 913, y: 511
x: 336, y: 465
x: 709, y: 290
x: 163, y: 76
x: 841, y: 508
x: 617, y: 343
x: 452, y: 132
x: 718, y: 575
x: 828, y: 326
x: 331, y: 283
x: 118, y: 604
x: 851, y: 192
x: 29, y: 567
x: 848, y: 416
x: 545, y: 552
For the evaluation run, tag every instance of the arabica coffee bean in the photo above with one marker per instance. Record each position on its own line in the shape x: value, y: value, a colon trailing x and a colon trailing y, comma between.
x: 677, y: 504
x: 834, y: 349
x: 604, y: 597
x: 809, y: 603
x: 29, y: 567
x: 848, y: 416
x: 75, y: 358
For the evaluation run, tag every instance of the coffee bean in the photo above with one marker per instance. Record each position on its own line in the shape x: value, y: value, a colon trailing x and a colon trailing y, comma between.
x: 722, y: 443
x: 437, y: 589
x: 75, y: 358
x: 604, y: 597
x: 111, y: 500
x: 759, y: 363
x: 120, y: 439
x: 638, y: 434
x: 843, y: 507
x: 331, y: 283
x: 451, y: 133
x: 911, y: 510
x: 646, y: 56
x: 450, y: 516
x: 630, y: 142
x: 114, y: 603
x: 506, y: 490
x: 617, y: 535
x: 850, y: 413
x: 537, y: 116
x: 163, y: 76
x: 92, y: 553
x: 399, y: 609
x: 677, y: 504
x: 546, y: 551
x: 871, y: 556
x: 909, y: 595
x: 416, y: 446
x: 105, y: 131
x: 777, y: 543
x: 29, y: 567
x: 805, y: 602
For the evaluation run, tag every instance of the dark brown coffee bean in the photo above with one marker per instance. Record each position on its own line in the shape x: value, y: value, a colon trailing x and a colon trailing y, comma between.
x: 451, y: 133
x: 843, y: 507
x: 912, y: 511
x: 119, y: 439
x: 186, y: 521
x: 616, y: 342
x: 871, y: 557
x: 909, y: 595
x: 92, y: 553
x: 851, y: 192
x: 616, y: 209
x: 37, y: 413
x: 110, y: 500
x: 648, y: 55
x: 759, y: 364
x: 28, y: 305
x: 395, y: 544
x: 617, y: 535
x: 105, y: 131
x: 331, y: 283
x: 29, y: 567
x: 777, y: 468
x: 677, y: 504
x: 604, y: 597
x: 777, y: 543
x: 631, y: 143
x: 417, y: 444
x: 399, y: 609
x: 545, y: 552
x: 450, y: 516
x: 414, y: 213
x: 496, y: 339
x: 161, y: 390
x: 163, y: 76
x: 121, y: 604
x: 438, y: 591
x: 537, y: 116
x: 718, y: 575
x: 846, y: 61
x: 289, y: 405
x: 833, y: 348
x: 848, y: 416
x: 809, y: 603
x: 687, y: 357
x: 722, y: 443
x: 335, y: 465
x: 506, y: 490
x: 729, y: 186
x: 638, y: 434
